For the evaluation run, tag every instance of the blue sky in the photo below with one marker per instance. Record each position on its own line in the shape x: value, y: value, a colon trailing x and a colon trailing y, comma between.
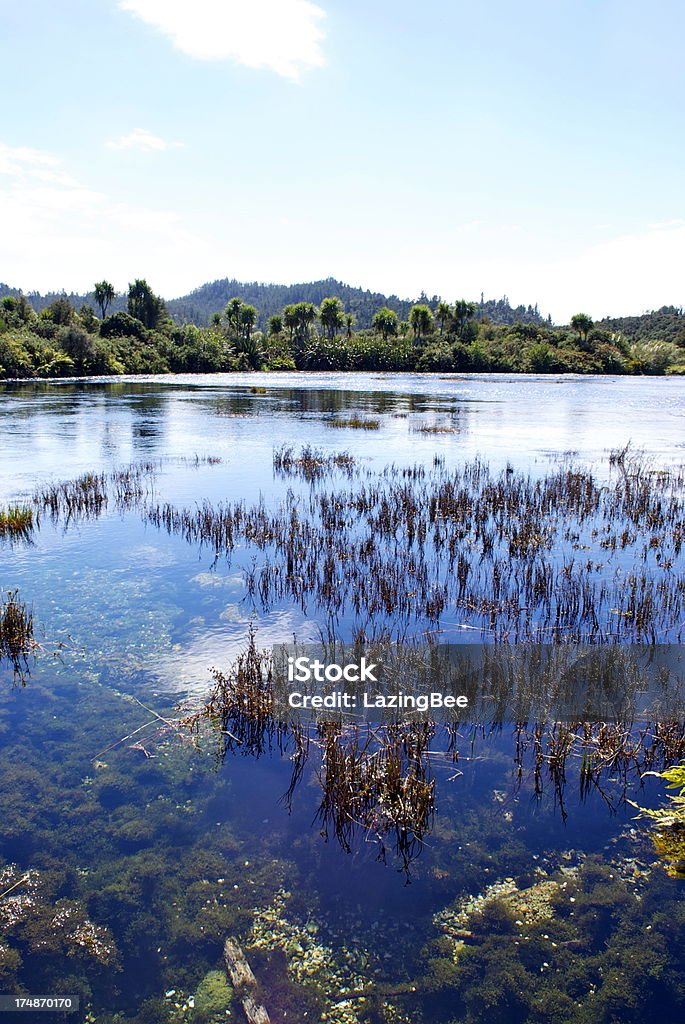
x: 531, y: 148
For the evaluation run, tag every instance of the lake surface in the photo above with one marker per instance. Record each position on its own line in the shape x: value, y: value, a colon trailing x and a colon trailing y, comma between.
x: 140, y: 852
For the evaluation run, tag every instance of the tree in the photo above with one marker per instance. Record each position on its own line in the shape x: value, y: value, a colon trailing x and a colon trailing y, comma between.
x: 88, y: 318
x: 442, y: 315
x: 290, y: 320
x: 248, y: 319
x: 420, y: 320
x: 61, y: 312
x: 464, y: 312
x: 298, y: 319
x: 349, y: 325
x: 144, y: 305
x: 385, y: 323
x: 231, y: 315
x: 240, y: 318
x: 582, y: 324
x: 275, y: 325
x: 104, y: 295
x: 79, y: 346
x: 332, y: 317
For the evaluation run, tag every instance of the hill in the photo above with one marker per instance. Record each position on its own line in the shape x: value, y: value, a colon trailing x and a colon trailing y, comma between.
x: 665, y: 324
x: 199, y: 305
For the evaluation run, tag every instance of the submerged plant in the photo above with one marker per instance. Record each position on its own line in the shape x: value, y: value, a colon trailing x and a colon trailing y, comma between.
x: 669, y: 821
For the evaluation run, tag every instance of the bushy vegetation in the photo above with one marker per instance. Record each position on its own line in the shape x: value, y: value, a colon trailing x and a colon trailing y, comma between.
x: 429, y: 336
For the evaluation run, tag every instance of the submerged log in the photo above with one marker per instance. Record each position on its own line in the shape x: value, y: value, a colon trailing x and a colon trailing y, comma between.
x: 244, y: 982
x: 237, y: 966
x: 255, y: 1014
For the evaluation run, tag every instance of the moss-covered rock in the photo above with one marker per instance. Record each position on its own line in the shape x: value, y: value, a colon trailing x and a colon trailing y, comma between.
x: 213, y: 997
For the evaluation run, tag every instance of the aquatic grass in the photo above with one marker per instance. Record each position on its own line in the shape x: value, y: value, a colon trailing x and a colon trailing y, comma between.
x: 561, y: 558
x: 16, y: 521
x: 354, y: 423
x: 91, y: 494
x: 16, y: 633
x: 435, y: 428
x: 379, y: 781
x: 311, y: 463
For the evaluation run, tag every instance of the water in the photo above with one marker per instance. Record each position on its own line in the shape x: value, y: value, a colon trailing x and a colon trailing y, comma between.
x: 144, y: 857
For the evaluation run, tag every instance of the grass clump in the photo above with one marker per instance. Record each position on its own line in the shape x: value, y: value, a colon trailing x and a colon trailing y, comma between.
x: 16, y: 632
x: 16, y: 521
x: 354, y: 423
x: 311, y: 463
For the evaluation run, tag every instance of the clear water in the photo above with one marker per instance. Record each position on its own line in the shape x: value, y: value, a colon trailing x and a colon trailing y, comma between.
x: 173, y: 852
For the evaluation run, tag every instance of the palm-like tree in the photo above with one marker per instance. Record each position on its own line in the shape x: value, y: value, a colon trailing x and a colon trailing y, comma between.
x: 582, y: 324
x: 104, y: 296
x: 420, y: 320
x: 442, y: 315
x: 332, y: 317
x: 385, y: 322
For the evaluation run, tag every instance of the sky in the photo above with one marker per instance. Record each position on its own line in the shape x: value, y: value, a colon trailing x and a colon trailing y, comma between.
x: 531, y: 149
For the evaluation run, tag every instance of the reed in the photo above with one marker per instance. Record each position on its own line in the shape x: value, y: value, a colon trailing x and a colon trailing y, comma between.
x: 16, y: 633
x: 17, y: 522
x: 311, y: 463
x: 562, y: 558
x: 354, y: 423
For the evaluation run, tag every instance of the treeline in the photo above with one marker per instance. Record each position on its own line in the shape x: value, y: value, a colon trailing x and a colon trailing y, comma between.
x: 99, y: 338
x: 199, y: 306
x: 665, y: 324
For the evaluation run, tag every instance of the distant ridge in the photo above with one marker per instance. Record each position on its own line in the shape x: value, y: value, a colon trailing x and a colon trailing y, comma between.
x: 199, y: 305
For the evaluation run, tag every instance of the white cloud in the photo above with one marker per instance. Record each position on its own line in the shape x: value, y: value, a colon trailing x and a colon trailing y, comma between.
x: 620, y: 276
x: 57, y: 232
x: 142, y: 140
x: 624, y: 275
x: 284, y: 36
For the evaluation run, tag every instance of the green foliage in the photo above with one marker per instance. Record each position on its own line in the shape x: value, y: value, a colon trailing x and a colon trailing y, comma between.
x: 122, y: 325
x: 332, y: 317
x: 462, y: 319
x: 582, y: 324
x: 436, y: 338
x: 385, y: 322
x: 60, y: 312
x: 420, y: 321
x: 298, y: 320
x: 104, y: 295
x: 275, y: 324
x: 669, y: 838
x: 212, y: 999
x: 144, y: 305
x: 665, y: 324
x: 655, y: 357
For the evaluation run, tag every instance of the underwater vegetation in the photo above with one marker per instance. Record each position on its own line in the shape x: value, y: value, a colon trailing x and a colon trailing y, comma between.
x: 378, y: 783
x: 669, y: 822
x: 161, y: 851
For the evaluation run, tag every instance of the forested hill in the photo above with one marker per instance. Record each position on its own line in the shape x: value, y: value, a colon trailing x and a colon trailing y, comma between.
x: 665, y: 324
x: 199, y: 306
